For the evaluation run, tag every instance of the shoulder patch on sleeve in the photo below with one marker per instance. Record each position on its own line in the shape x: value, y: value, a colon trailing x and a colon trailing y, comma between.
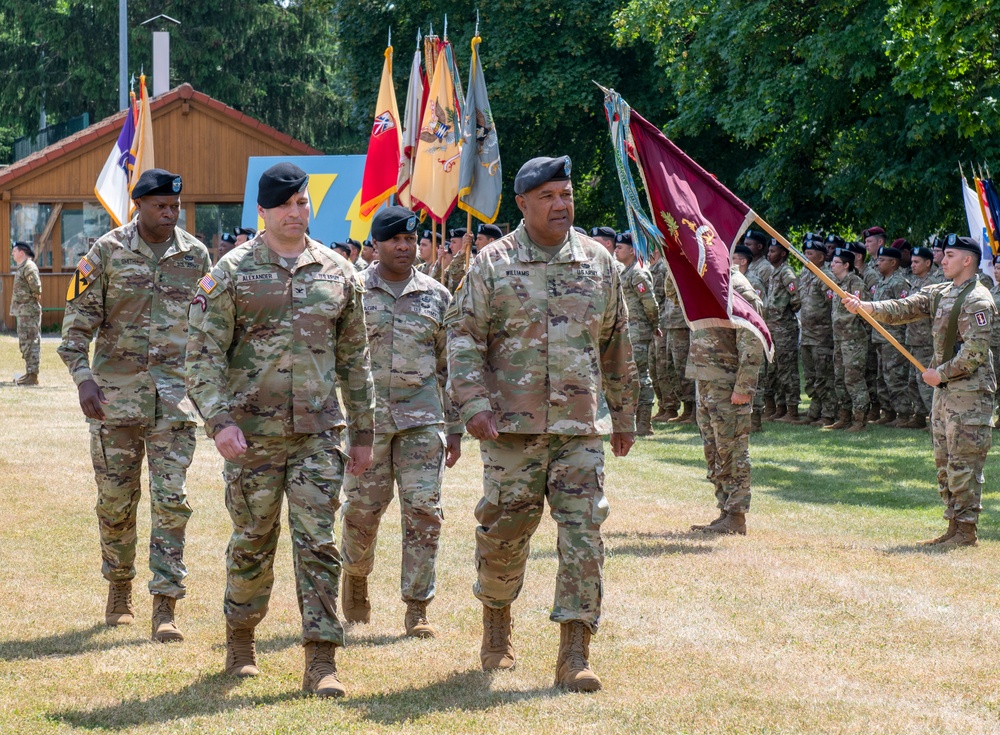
x: 791, y: 287
x: 208, y: 283
x: 77, y: 285
x: 981, y: 318
x: 904, y: 293
x: 641, y: 287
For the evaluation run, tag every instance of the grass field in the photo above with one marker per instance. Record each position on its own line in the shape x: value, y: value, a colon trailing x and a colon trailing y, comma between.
x: 827, y: 618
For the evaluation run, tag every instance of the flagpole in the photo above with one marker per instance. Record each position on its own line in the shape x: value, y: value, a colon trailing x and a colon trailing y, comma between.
x: 840, y: 292
x: 468, y: 245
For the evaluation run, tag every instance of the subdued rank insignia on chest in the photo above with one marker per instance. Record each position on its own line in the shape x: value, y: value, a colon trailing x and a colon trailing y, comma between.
x: 981, y: 318
x: 641, y: 288
x: 208, y: 283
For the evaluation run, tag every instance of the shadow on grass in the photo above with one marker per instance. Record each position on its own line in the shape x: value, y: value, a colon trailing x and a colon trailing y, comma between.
x: 64, y: 644
x: 646, y: 543
x: 207, y: 695
x: 370, y: 641
x: 466, y: 691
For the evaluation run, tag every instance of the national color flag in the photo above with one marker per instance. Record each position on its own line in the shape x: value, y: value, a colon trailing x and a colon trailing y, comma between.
x: 112, y: 189
x: 480, y: 177
x: 416, y: 98
x: 977, y: 226
x: 385, y: 146
x: 991, y: 224
x: 435, y: 173
x: 696, y: 221
x: 142, y: 144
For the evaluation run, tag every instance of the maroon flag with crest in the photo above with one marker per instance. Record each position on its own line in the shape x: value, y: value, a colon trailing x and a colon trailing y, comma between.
x: 700, y: 221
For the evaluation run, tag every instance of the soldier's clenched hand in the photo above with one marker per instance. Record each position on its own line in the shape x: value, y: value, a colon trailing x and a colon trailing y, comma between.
x: 621, y: 444
x: 483, y: 426
x: 230, y: 442
x: 91, y: 398
x: 453, y: 449
x: 359, y: 459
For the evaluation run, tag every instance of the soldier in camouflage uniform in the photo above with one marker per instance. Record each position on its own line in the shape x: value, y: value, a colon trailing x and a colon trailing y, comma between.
x: 815, y: 319
x: 870, y: 245
x: 678, y: 341
x: 659, y: 370
x: 273, y: 328
x: 962, y: 372
x: 893, y: 385
x: 726, y: 364
x: 779, y: 312
x: 130, y: 294
x: 759, y: 274
x: 643, y: 324
x: 920, y: 342
x: 538, y: 356
x: 995, y: 334
x: 404, y: 315
x: 850, y: 347
x: 26, y: 307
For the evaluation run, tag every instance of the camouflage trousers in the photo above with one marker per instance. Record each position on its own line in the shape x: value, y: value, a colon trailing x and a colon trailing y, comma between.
x: 29, y: 340
x: 666, y: 373
x: 117, y: 453
x: 849, y: 360
x: 309, y: 469
x: 654, y: 371
x: 678, y: 346
x: 784, y: 372
x: 725, y: 432
x: 871, y: 374
x: 415, y: 460
x: 960, y: 430
x: 520, y: 472
x: 764, y: 387
x: 921, y: 394
x: 640, y: 351
x: 817, y: 369
x: 893, y: 379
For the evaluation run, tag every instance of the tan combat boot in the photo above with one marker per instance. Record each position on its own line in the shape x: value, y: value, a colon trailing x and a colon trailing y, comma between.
x: 660, y: 415
x: 165, y: 630
x: 320, y: 677
x: 899, y: 421
x: 888, y: 416
x: 952, y: 527
x: 27, y: 379
x: 780, y: 410
x: 810, y: 417
x: 688, y: 417
x: 756, y: 424
x: 769, y: 408
x: 917, y: 421
x: 873, y: 415
x: 241, y: 652
x: 643, y: 416
x: 732, y: 524
x: 965, y: 535
x: 670, y: 412
x: 354, y: 599
x: 858, y: 424
x: 572, y: 664
x: 842, y: 422
x: 822, y: 421
x: 497, y: 651
x: 706, y: 526
x: 416, y: 620
x: 791, y: 415
x: 119, y: 610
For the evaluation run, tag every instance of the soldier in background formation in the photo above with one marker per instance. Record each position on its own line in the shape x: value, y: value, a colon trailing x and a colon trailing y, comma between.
x: 26, y: 308
x: 659, y: 369
x: 919, y: 340
x: 892, y: 376
x: 850, y: 347
x: 963, y: 312
x: 131, y: 293
x: 416, y: 431
x: 816, y: 325
x: 643, y: 324
x: 273, y: 329
x: 536, y: 334
x: 780, y: 307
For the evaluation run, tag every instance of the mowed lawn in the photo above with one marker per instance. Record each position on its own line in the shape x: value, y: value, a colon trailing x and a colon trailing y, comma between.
x: 827, y: 618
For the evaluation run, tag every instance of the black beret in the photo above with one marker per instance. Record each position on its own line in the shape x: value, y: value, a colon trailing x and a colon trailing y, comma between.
x: 26, y: 247
x: 427, y: 234
x: 603, y: 232
x: 888, y: 252
x: 579, y: 230
x: 815, y: 245
x: 391, y: 221
x: 836, y: 240
x: 756, y: 236
x: 624, y: 237
x: 922, y: 252
x: 228, y: 237
x: 810, y: 236
x: 872, y: 231
x: 744, y: 251
x: 954, y: 242
x: 278, y: 183
x: 368, y: 243
x: 491, y: 231
x: 248, y: 231
x: 541, y: 170
x: 847, y: 253
x: 857, y: 248
x: 457, y: 232
x: 156, y: 182
x: 938, y: 243
x: 342, y: 247
x: 352, y: 243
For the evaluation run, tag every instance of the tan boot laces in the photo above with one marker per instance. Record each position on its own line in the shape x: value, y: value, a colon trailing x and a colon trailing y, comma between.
x: 322, y: 661
x: 576, y: 660
x: 241, y: 646
x: 498, y: 637
x: 121, y: 597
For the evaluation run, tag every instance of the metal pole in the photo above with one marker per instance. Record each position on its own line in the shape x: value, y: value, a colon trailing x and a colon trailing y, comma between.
x: 122, y: 54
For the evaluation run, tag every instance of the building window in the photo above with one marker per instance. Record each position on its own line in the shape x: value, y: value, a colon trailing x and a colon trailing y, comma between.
x: 212, y: 220
x: 28, y: 222
x: 80, y: 229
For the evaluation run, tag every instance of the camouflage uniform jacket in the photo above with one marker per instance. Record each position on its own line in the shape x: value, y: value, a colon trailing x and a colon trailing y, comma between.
x: 543, y: 342
x: 675, y: 314
x: 895, y: 286
x: 995, y: 336
x: 137, y: 308
x: 759, y: 271
x: 848, y: 327
x: 268, y: 341
x: 643, y: 313
x: 782, y: 299
x: 871, y: 278
x: 24, y: 297
x: 456, y: 272
x: 757, y: 280
x: 723, y: 354
x: 969, y: 368
x: 406, y: 338
x: 658, y: 272
x: 918, y: 333
x: 816, y: 314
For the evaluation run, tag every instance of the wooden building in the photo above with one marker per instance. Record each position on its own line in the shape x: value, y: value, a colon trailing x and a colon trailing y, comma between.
x: 48, y: 197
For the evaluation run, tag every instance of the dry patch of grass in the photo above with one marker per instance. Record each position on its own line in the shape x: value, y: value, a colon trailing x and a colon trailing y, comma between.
x: 826, y: 618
